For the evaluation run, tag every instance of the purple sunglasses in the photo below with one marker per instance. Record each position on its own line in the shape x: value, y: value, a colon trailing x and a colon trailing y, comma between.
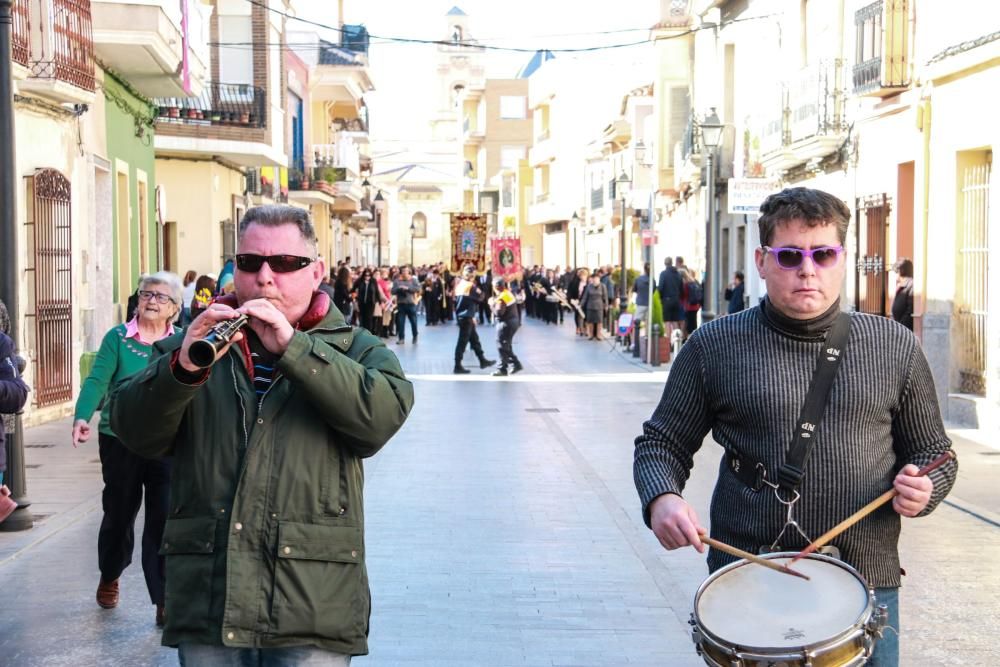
x: 791, y: 258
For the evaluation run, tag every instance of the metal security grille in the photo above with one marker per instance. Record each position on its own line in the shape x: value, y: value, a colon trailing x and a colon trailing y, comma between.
x: 53, y: 381
x: 20, y: 35
x: 871, y: 224
x: 971, y: 295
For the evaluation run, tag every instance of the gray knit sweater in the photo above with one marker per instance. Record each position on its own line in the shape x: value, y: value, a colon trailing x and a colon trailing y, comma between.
x: 745, y: 380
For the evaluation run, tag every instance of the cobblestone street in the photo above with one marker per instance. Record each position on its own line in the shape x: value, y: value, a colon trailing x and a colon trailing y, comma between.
x: 517, y: 542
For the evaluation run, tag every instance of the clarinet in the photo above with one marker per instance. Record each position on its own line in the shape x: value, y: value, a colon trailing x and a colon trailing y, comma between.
x: 204, y: 351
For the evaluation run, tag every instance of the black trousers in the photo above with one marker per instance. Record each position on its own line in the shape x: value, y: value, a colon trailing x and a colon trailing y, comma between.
x: 366, y: 317
x: 505, y: 344
x: 126, y: 476
x: 467, y: 335
x: 485, y: 313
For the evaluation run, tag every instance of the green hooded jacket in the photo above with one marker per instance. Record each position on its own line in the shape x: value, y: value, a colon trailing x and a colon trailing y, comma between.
x: 264, y: 541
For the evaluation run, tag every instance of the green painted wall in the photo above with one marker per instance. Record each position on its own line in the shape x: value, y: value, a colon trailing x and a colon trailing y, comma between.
x: 121, y: 111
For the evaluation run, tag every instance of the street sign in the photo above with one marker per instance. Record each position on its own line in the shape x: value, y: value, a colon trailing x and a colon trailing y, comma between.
x: 747, y: 194
x: 650, y: 237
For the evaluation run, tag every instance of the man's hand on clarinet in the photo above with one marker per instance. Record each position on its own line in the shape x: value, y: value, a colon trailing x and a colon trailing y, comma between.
x: 200, y: 328
x: 269, y: 323
x: 675, y: 523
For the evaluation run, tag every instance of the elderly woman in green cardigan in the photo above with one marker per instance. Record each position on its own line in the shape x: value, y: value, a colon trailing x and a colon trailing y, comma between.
x: 125, y: 350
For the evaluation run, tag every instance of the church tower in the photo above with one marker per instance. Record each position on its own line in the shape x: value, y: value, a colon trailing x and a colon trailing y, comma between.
x: 459, y: 66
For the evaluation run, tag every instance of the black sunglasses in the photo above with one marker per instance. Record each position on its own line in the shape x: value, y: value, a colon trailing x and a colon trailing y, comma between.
x: 278, y: 263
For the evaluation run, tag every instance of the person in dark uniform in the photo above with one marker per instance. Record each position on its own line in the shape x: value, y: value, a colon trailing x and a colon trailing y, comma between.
x: 468, y: 296
x: 508, y: 320
x: 485, y: 283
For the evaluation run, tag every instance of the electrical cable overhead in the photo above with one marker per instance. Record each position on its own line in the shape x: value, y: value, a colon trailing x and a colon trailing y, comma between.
x: 386, y: 39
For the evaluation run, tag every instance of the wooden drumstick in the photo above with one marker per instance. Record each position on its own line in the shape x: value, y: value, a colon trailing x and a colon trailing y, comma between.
x: 869, y: 508
x: 722, y: 546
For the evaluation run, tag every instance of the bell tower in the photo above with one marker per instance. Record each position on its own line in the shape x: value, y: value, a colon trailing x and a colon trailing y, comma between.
x: 459, y: 66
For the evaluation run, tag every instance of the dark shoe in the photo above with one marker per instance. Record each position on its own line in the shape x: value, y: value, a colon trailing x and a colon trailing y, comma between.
x: 161, y: 616
x: 486, y: 363
x: 500, y: 373
x: 414, y: 340
x: 400, y: 341
x: 107, y: 594
x: 517, y: 368
x: 461, y: 370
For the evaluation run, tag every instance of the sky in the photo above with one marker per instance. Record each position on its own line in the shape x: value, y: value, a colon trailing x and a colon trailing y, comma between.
x: 403, y: 73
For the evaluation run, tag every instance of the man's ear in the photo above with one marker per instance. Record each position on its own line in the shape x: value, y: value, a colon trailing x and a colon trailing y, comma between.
x: 319, y: 270
x: 758, y: 258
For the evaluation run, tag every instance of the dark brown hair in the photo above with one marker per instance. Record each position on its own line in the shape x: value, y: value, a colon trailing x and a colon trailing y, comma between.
x: 811, y: 207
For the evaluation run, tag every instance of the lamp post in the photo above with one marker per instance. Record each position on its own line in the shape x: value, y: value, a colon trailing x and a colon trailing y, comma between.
x: 21, y: 519
x: 413, y: 230
x: 377, y: 206
x: 622, y: 187
x: 576, y: 241
x: 711, y: 135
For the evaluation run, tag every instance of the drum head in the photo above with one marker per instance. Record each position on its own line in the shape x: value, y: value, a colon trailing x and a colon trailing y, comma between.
x: 750, y: 606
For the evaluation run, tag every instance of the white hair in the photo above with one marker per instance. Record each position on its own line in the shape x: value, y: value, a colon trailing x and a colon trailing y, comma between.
x: 167, y: 278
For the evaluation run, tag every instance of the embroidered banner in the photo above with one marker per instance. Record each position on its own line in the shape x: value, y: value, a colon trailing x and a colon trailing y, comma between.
x: 468, y: 241
x: 506, y: 257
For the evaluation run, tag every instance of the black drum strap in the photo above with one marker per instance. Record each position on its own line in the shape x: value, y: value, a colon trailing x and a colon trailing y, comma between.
x: 790, y: 473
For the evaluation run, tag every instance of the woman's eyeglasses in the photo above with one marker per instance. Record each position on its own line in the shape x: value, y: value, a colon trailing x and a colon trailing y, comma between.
x: 278, y: 263
x: 823, y: 257
x: 158, y: 296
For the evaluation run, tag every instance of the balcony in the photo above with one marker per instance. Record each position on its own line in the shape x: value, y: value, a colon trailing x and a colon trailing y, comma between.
x: 810, y: 122
x: 221, y: 104
x: 471, y: 132
x: 20, y: 33
x: 881, y: 49
x: 60, y: 48
x: 544, y: 210
x: 542, y: 152
x: 227, y: 120
x: 147, y: 40
x: 320, y: 180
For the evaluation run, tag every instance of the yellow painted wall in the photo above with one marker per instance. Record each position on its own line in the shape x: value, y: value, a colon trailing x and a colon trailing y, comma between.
x: 199, y: 197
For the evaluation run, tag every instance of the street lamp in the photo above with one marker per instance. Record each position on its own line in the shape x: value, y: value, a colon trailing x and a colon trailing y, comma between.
x: 622, y: 186
x: 576, y: 240
x: 413, y: 231
x: 10, y: 285
x: 377, y: 205
x: 711, y: 135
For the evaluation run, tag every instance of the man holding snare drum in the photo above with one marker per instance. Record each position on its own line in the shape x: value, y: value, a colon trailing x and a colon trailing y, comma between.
x: 745, y: 378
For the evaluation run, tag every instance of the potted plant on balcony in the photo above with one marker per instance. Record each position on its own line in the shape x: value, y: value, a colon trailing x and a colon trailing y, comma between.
x: 244, y: 118
x: 216, y: 116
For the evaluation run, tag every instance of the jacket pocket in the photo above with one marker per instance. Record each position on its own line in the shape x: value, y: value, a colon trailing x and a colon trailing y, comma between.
x: 189, y: 547
x: 320, y: 585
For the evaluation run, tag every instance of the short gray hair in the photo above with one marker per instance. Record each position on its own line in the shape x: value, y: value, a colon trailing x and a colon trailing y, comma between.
x: 274, y: 215
x: 171, y: 280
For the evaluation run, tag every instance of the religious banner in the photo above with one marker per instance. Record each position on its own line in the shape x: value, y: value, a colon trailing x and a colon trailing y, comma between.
x: 468, y: 241
x: 506, y: 257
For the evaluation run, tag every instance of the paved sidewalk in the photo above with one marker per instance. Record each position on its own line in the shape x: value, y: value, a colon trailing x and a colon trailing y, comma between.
x: 518, y: 542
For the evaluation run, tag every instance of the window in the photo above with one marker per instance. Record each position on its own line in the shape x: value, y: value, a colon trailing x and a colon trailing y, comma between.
x: 513, y: 107
x: 234, y: 65
x: 419, y: 226
x: 510, y: 156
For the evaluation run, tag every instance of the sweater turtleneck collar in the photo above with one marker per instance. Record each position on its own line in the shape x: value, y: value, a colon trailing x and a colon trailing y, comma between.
x: 811, y: 329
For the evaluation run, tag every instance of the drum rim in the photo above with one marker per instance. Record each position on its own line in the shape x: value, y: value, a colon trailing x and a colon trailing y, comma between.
x: 858, y: 624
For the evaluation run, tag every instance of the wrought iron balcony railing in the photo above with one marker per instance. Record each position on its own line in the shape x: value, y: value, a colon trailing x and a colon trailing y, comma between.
x: 20, y: 36
x: 234, y: 104
x: 72, y: 53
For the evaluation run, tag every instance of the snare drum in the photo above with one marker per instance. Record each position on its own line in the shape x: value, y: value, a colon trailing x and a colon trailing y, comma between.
x: 746, y: 615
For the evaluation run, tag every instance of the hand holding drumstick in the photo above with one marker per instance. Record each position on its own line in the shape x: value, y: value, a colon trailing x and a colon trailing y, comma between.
x: 910, y: 494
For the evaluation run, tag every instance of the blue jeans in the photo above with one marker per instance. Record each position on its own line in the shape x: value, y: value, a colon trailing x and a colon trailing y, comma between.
x: 406, y: 311
x: 203, y: 655
x: 886, y: 652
